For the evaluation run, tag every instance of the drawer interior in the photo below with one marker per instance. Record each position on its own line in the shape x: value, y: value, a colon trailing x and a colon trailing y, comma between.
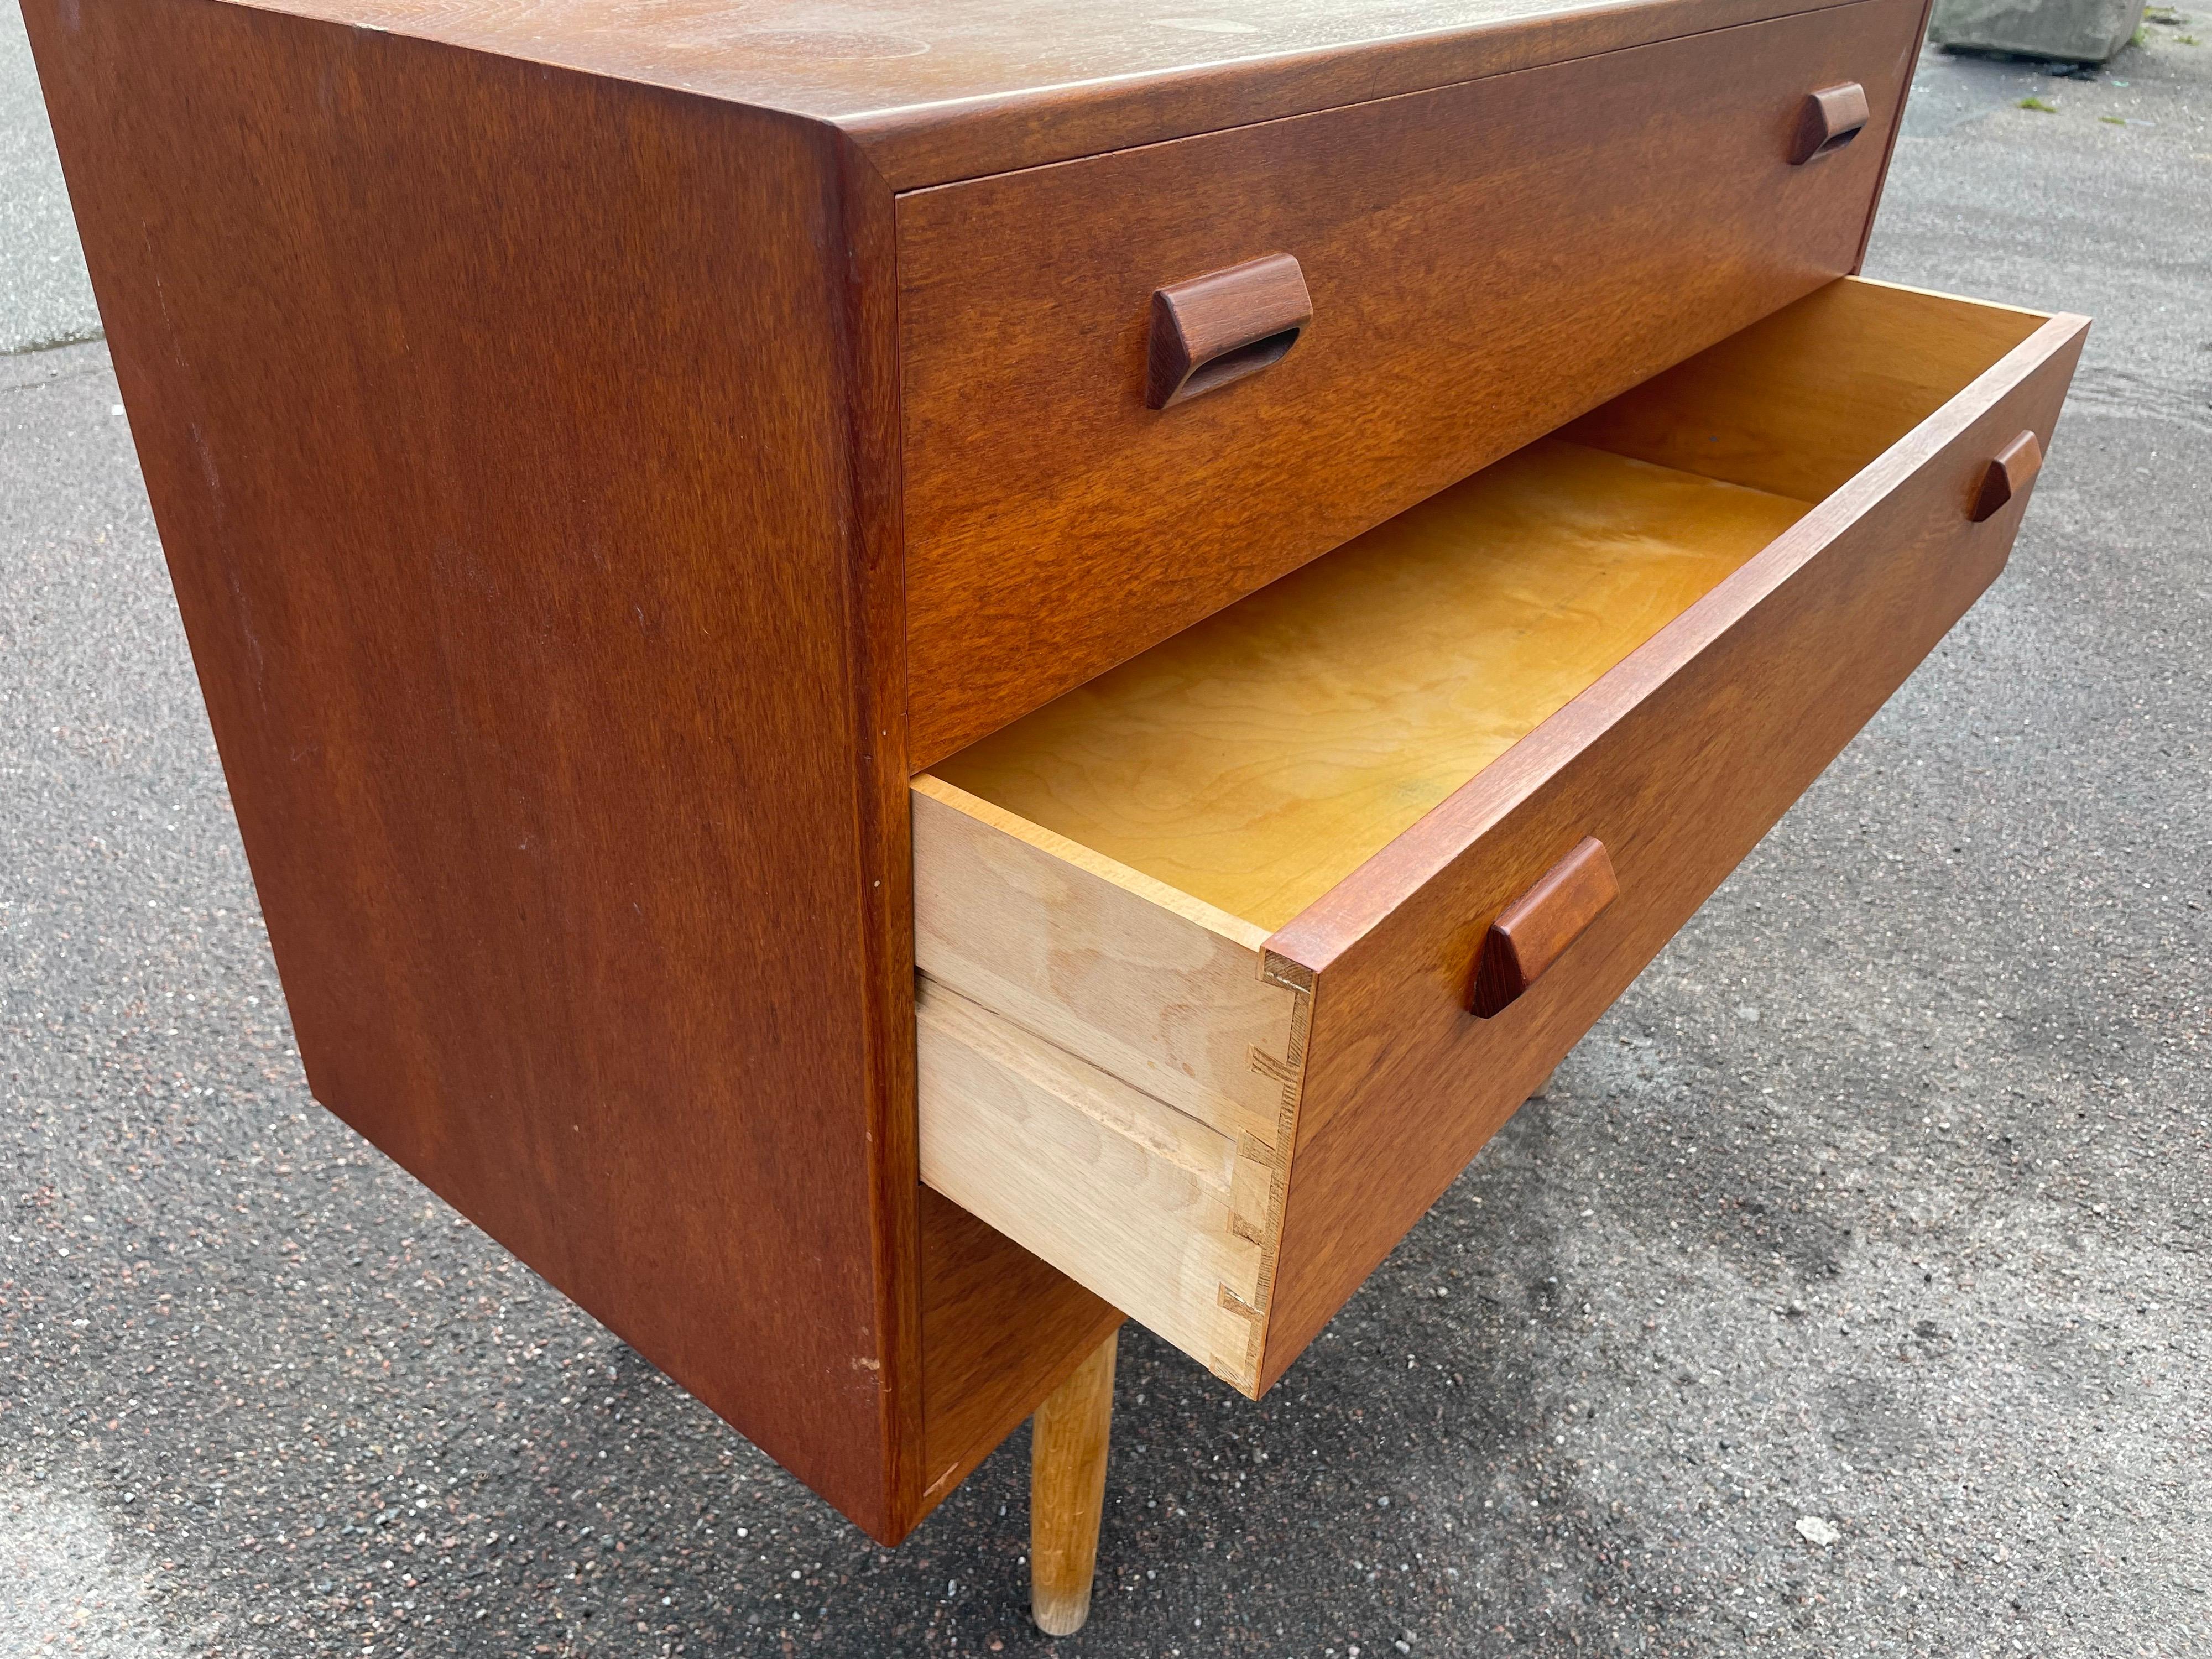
x: 1259, y: 758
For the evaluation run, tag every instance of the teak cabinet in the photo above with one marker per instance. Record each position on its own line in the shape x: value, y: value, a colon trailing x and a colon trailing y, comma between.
x: 900, y: 678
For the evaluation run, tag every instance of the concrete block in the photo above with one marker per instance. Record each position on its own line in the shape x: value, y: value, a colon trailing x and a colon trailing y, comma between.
x: 2083, y: 31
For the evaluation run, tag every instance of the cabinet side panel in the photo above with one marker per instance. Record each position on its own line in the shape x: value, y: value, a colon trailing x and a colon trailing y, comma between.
x: 495, y: 423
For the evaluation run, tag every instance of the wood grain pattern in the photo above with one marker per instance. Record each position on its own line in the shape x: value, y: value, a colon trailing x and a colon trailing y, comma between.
x: 1163, y: 1215
x: 1829, y: 118
x: 573, y: 831
x: 1067, y: 1491
x: 866, y: 334
x: 1121, y: 971
x: 2009, y: 472
x: 932, y: 90
x: 1692, y: 721
x: 1679, y: 760
x: 1261, y: 757
x: 454, y: 389
x: 1050, y: 517
x: 1000, y: 1331
x: 1534, y: 931
x: 1803, y: 400
x: 1211, y: 331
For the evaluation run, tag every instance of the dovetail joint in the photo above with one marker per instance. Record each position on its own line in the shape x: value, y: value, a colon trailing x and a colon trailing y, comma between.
x: 1287, y: 1071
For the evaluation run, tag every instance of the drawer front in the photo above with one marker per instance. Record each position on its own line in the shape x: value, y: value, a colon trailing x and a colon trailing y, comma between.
x: 1223, y: 1130
x: 1677, y: 763
x: 1483, y: 261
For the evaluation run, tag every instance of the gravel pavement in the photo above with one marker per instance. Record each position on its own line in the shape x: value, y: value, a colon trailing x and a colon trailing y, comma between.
x: 46, y: 298
x: 1847, y: 1293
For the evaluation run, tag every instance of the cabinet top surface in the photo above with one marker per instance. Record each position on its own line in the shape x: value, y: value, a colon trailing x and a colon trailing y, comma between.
x: 887, y: 69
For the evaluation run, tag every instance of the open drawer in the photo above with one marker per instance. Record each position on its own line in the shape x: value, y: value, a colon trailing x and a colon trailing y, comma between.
x: 1231, y: 958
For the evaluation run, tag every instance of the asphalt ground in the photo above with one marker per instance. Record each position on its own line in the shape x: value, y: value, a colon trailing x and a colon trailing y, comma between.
x: 46, y: 298
x: 1847, y: 1294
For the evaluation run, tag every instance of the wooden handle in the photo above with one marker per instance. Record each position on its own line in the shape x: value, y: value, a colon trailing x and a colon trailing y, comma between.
x: 1827, y: 120
x: 1534, y: 931
x: 1220, y: 327
x: 2008, y: 474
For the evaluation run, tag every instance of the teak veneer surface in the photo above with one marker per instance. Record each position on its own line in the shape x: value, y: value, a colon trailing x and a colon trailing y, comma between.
x: 463, y: 341
x: 999, y: 1331
x: 1257, y: 759
x: 581, y: 843
x: 1693, y: 650
x: 931, y: 90
x: 1679, y: 760
x: 1484, y: 262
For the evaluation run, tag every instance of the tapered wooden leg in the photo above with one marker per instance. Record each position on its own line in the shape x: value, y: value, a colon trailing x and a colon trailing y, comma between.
x: 1067, y: 1491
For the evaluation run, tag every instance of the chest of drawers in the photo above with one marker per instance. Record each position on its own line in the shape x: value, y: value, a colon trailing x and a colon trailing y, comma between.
x: 902, y: 679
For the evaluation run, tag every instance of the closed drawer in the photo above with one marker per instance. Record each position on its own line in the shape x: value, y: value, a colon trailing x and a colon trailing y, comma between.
x: 1199, y: 940
x: 1484, y: 262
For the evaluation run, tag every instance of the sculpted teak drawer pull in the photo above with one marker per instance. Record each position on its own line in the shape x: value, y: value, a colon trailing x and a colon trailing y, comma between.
x: 1220, y: 327
x: 1534, y: 931
x: 2017, y: 462
x: 1828, y: 119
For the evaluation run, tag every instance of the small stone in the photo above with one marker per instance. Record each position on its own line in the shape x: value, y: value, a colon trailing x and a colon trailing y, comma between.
x: 1813, y: 1530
